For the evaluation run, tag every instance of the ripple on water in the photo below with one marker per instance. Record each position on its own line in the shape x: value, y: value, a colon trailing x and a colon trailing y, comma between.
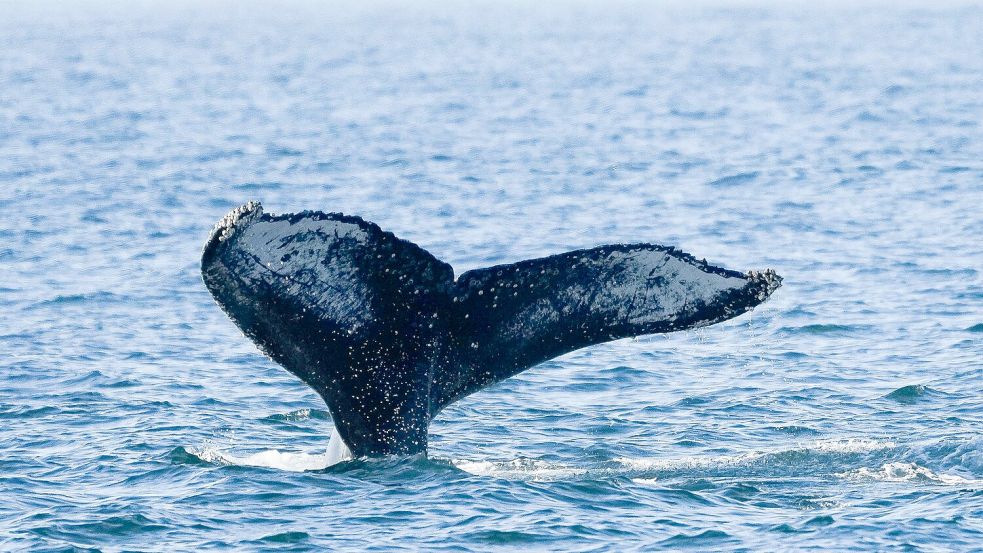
x: 842, y: 414
x: 506, y: 537
x: 284, y: 538
x: 27, y: 412
x: 734, y: 180
x: 107, y: 528
x: 826, y: 329
x: 700, y: 540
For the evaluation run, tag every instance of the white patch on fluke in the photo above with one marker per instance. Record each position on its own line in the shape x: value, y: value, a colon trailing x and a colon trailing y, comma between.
x: 337, y: 449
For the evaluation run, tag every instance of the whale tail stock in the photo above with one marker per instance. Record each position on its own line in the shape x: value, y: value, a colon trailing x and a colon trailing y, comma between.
x: 385, y: 334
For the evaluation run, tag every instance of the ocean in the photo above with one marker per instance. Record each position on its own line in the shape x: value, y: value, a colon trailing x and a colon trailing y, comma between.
x: 839, y: 144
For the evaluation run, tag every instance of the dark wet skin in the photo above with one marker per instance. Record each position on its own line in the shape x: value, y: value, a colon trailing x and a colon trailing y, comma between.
x: 385, y: 334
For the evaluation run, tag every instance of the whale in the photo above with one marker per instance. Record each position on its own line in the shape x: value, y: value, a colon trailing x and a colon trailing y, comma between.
x: 387, y: 335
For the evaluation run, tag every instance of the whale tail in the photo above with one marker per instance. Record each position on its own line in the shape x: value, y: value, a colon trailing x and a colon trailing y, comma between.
x: 508, y: 318
x: 385, y: 334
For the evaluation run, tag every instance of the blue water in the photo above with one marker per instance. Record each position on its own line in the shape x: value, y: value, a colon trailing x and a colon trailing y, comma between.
x: 840, y: 146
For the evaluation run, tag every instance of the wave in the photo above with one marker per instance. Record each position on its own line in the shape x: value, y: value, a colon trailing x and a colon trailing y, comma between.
x: 100, y: 296
x: 913, y: 393
x: 824, y: 329
x: 734, y: 180
x: 299, y: 415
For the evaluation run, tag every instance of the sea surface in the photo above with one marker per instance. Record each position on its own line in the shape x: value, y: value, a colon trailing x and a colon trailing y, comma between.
x: 839, y: 144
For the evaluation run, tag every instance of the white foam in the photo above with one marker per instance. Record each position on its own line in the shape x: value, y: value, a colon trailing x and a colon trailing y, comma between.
x: 851, y: 445
x: 521, y: 469
x: 283, y: 460
x: 646, y: 481
x: 531, y: 469
x: 661, y: 464
x: 908, y: 472
x: 272, y: 458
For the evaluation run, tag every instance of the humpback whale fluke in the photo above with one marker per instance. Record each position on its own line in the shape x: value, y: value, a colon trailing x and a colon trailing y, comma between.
x: 386, y: 335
